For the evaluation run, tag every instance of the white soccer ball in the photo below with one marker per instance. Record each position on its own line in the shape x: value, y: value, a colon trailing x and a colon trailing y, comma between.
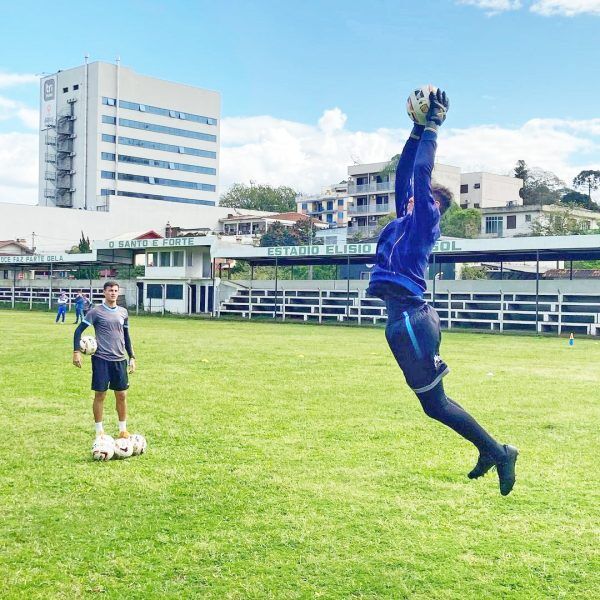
x: 88, y: 344
x: 417, y: 104
x: 103, y: 448
x: 123, y: 447
x: 139, y: 444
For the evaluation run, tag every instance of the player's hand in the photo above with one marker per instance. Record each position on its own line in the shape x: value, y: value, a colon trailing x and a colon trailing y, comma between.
x: 77, y: 359
x: 132, y: 365
x: 438, y: 108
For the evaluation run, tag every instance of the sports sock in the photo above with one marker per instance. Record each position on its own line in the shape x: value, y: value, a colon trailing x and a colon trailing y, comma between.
x: 439, y: 407
x: 122, y: 426
x: 99, y: 427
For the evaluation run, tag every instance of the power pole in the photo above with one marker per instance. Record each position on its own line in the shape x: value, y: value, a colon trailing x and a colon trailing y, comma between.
x: 33, y: 240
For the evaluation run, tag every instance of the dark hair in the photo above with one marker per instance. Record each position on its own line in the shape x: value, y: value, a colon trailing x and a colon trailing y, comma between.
x: 108, y: 284
x: 444, y: 196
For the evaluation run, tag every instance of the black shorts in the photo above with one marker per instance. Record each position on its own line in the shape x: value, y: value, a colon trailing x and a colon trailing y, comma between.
x: 414, y: 337
x: 109, y: 374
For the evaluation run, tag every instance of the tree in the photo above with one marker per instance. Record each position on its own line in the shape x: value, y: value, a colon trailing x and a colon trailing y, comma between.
x: 461, y: 222
x: 383, y: 221
x: 473, y: 272
x: 588, y: 179
x: 83, y: 247
x: 522, y: 172
x: 560, y: 223
x: 577, y: 199
x: 260, y: 197
x: 300, y: 234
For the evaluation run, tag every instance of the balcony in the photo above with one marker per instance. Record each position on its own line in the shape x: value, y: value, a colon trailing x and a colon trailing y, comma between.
x: 370, y: 188
x: 370, y: 209
x: 363, y: 230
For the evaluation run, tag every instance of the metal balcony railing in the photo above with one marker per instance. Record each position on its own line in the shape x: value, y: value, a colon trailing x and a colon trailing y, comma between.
x: 370, y: 188
x: 378, y: 209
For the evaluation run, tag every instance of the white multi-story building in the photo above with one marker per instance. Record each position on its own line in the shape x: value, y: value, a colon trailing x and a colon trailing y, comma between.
x: 330, y: 206
x: 486, y: 190
x: 372, y: 194
x: 107, y: 132
x: 510, y: 221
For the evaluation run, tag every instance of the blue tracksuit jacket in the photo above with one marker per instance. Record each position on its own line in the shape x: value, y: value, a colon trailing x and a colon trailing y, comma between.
x: 405, y: 244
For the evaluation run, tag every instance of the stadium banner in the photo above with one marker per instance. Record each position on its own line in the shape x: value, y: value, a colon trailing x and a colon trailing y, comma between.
x: 136, y: 244
x: 48, y: 96
x: 47, y: 258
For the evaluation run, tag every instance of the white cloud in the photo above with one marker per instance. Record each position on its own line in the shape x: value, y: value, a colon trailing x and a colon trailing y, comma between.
x: 567, y: 8
x: 13, y: 79
x: 18, y: 167
x: 547, y: 8
x: 308, y: 157
x: 11, y: 109
x: 493, y: 7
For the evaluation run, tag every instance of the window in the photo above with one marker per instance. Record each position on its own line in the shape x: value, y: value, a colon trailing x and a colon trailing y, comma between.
x: 527, y: 218
x: 162, y: 129
x: 330, y: 205
x: 165, y: 147
x: 107, y: 174
x: 340, y: 215
x: 151, y: 259
x: 190, y: 259
x: 341, y: 202
x: 477, y: 186
x: 65, y: 90
x: 305, y: 206
x: 230, y: 229
x: 464, y: 206
x: 109, y: 120
x: 192, y: 185
x: 476, y: 205
x: 493, y: 225
x: 76, y: 87
x: 464, y: 188
x: 154, y: 291
x: 165, y: 259
x: 166, y: 198
x: 511, y: 222
x: 109, y: 138
x: 174, y: 292
x: 362, y: 201
x: 178, y: 258
x: 107, y: 156
x: 163, y: 164
x: 381, y: 200
x: 329, y: 218
x: 165, y: 112
x: 244, y: 228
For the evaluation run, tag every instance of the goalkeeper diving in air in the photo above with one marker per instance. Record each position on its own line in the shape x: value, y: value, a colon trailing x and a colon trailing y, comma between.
x: 413, y: 327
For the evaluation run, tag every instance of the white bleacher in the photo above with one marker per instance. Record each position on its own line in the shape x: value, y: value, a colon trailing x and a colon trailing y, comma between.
x: 501, y: 311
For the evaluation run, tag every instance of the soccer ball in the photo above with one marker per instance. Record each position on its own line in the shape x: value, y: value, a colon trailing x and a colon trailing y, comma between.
x: 417, y: 104
x: 88, y: 344
x: 139, y: 444
x: 123, y: 447
x: 103, y: 448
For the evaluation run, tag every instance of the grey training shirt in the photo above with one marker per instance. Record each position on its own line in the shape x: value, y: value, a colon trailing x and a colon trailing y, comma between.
x: 108, y: 324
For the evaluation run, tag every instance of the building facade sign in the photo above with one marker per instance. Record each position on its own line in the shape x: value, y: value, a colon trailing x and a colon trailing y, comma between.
x: 48, y: 96
x: 47, y: 258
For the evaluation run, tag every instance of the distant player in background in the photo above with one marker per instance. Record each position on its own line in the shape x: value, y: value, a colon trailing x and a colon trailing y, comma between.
x: 63, y: 306
x: 79, y: 304
x: 109, y: 363
x: 413, y: 327
x: 86, y: 304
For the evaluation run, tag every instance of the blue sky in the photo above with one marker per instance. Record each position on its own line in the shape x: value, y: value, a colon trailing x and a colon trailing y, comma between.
x: 508, y: 66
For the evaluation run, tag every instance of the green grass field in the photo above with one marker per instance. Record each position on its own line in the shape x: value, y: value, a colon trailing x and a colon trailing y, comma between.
x: 291, y: 461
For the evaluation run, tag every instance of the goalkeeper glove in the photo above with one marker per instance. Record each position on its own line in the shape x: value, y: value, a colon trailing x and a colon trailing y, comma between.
x: 438, y: 108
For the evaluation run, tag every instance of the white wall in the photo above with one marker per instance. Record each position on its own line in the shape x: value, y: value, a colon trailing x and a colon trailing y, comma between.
x: 494, y: 190
x: 60, y: 228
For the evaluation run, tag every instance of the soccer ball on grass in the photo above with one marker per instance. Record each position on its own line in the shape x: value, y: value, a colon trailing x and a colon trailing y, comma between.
x: 103, y: 448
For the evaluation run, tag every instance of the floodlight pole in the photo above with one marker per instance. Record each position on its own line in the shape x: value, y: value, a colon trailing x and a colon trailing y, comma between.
x: 276, y: 271
x: 537, y: 288
x: 348, y: 289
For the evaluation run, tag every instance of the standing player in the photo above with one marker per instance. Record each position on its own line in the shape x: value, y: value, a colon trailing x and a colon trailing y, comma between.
x: 79, y: 303
x: 413, y: 327
x: 109, y: 363
x: 63, y: 306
